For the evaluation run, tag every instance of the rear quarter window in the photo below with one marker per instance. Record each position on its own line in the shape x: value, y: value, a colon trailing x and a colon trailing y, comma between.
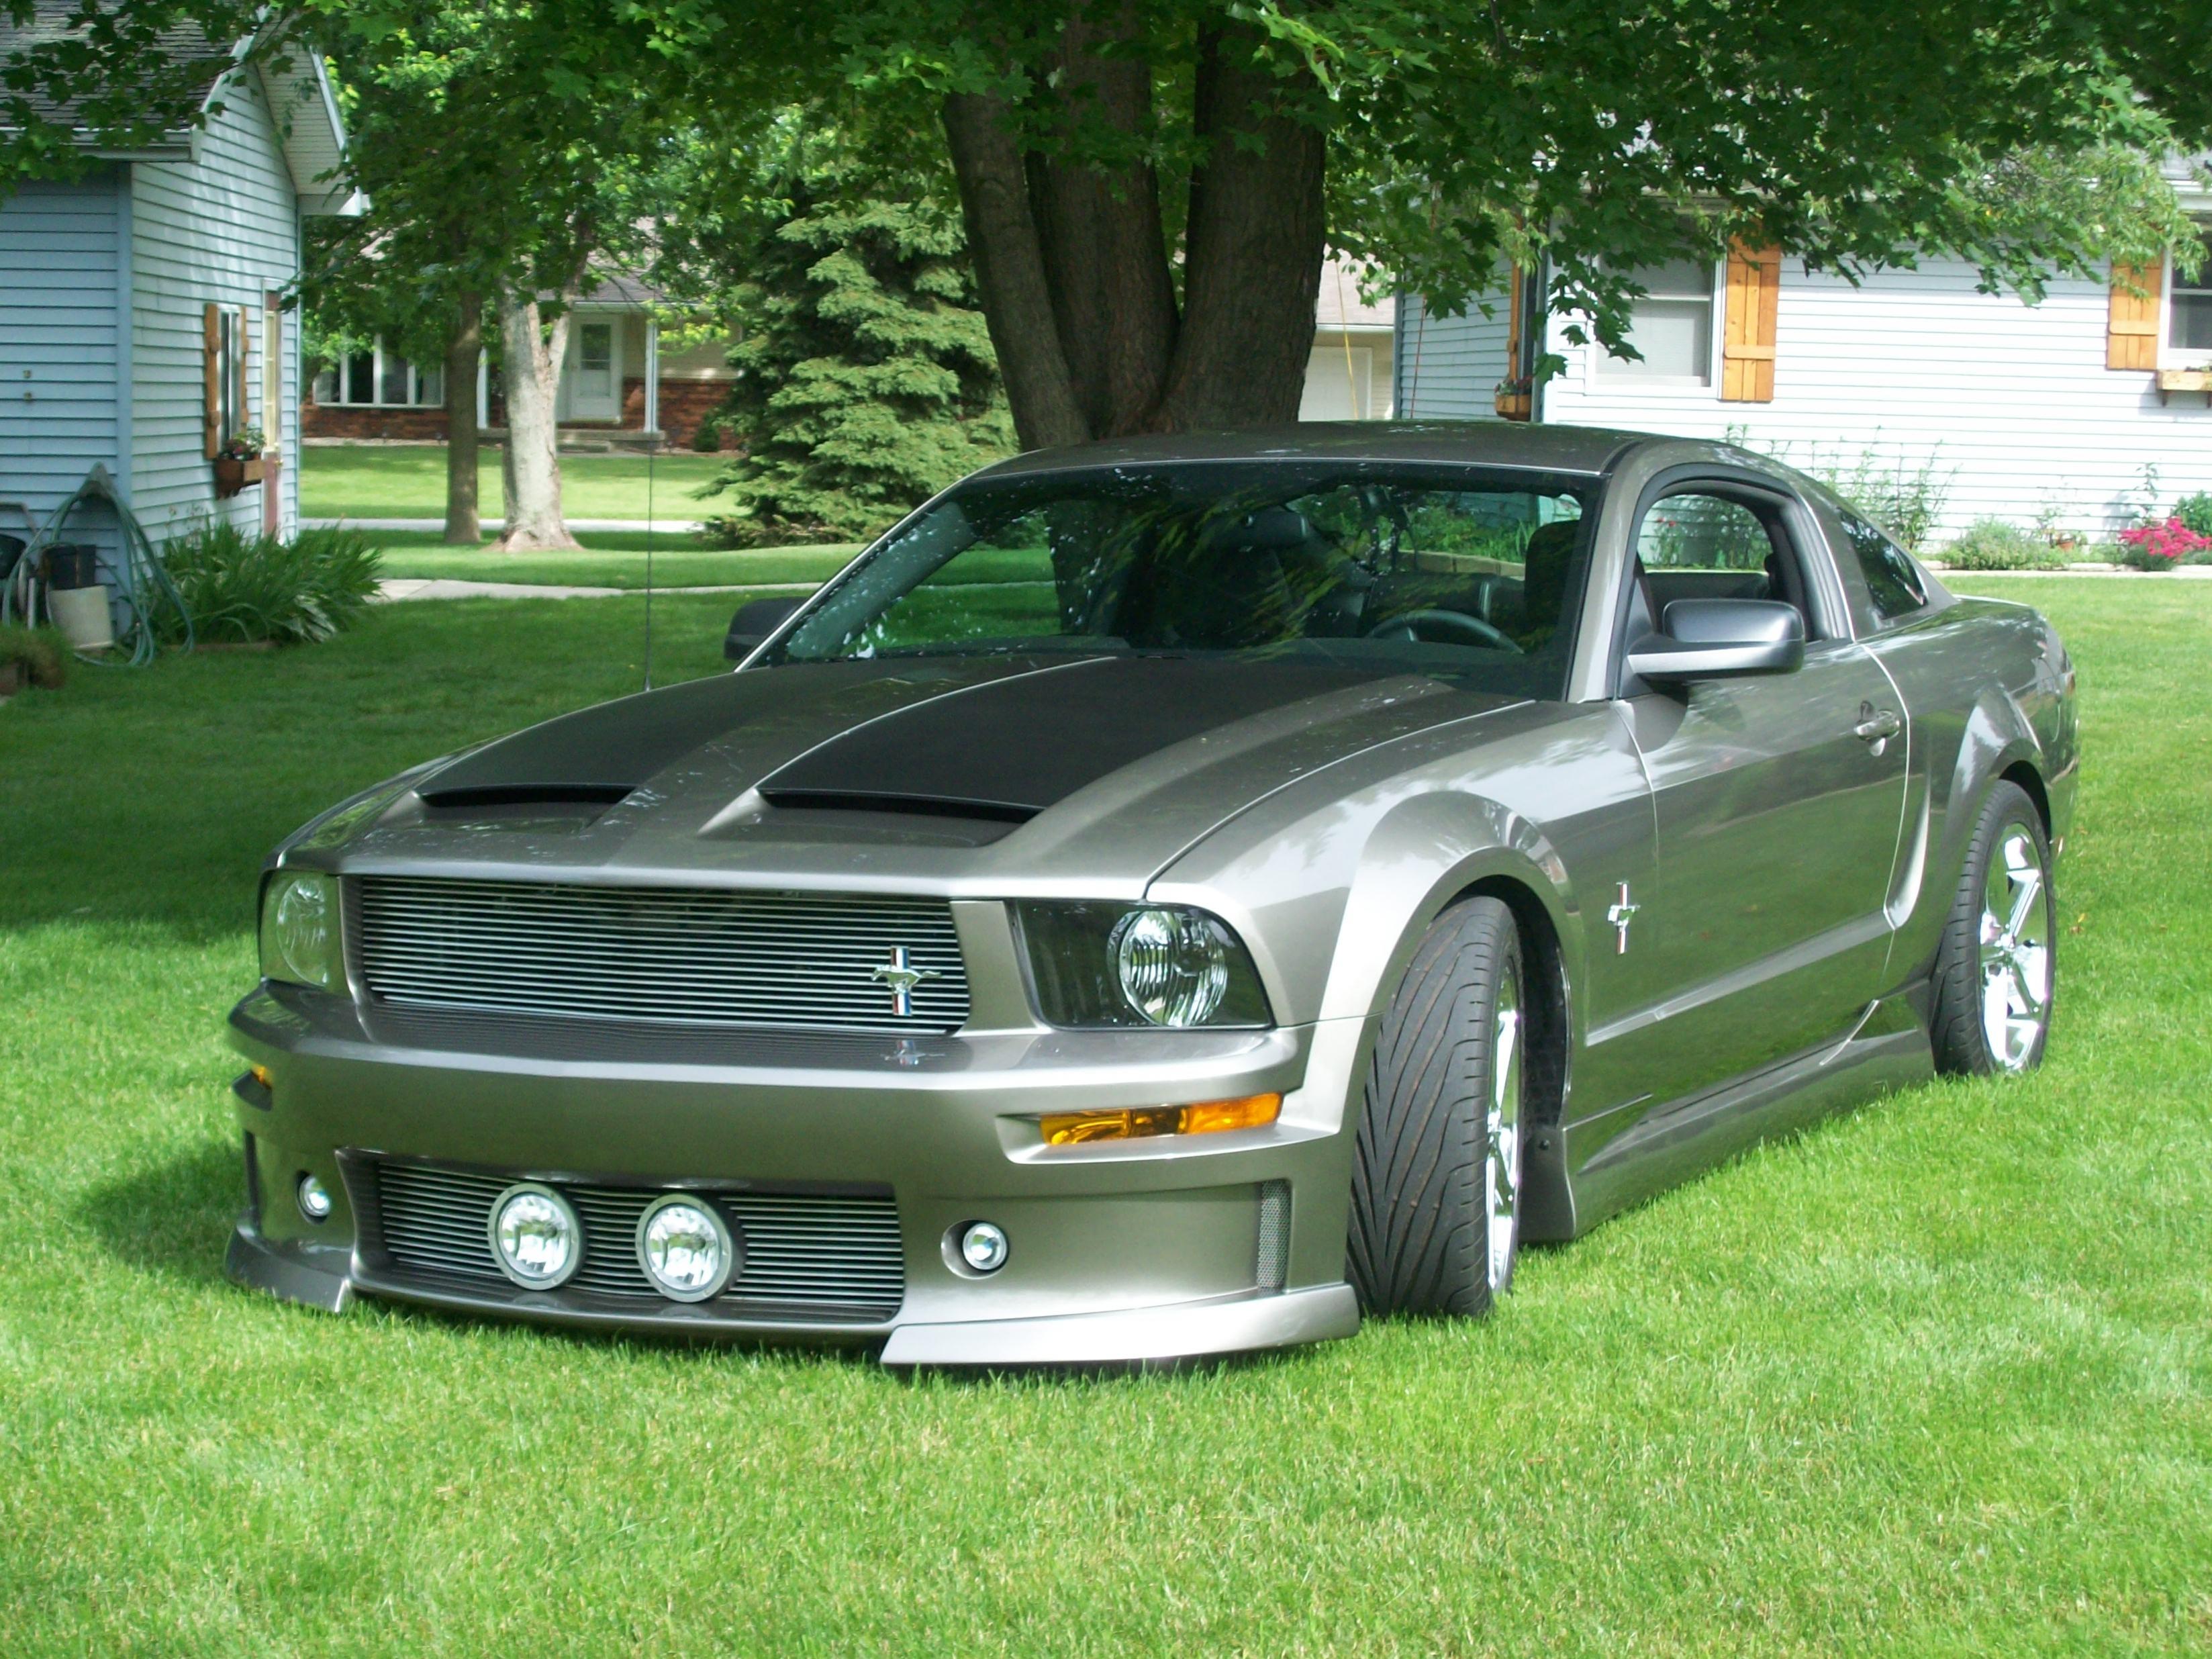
x: 1894, y: 584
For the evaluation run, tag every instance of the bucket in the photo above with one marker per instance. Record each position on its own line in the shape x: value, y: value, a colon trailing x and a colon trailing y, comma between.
x: 82, y: 615
x: 72, y: 564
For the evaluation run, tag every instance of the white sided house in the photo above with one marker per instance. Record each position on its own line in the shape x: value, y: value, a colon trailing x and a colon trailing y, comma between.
x: 144, y: 327
x: 2083, y: 411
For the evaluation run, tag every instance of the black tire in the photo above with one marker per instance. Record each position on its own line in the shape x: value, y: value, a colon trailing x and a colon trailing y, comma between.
x: 1420, y: 1234
x: 1956, y: 1025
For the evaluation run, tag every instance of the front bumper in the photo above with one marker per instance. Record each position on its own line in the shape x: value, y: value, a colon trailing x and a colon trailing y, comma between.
x: 1122, y: 1252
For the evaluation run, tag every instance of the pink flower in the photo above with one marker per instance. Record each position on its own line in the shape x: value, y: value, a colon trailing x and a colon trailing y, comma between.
x: 2171, y: 542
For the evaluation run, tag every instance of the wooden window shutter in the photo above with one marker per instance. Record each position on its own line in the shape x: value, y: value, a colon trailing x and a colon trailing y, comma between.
x: 211, y: 380
x: 1753, y: 296
x: 2132, y: 319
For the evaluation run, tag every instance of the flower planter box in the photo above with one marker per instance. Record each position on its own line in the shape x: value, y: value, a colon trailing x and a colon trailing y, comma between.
x: 233, y: 474
x: 1514, y: 405
x: 2183, y: 380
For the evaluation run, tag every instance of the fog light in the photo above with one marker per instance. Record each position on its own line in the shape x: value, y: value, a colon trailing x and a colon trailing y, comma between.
x: 1142, y: 1122
x: 314, y: 1198
x: 685, y: 1248
x: 535, y: 1237
x: 983, y: 1246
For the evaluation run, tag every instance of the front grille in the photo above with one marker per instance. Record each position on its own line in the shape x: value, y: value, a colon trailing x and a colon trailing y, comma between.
x: 796, y: 961
x: 803, y: 1254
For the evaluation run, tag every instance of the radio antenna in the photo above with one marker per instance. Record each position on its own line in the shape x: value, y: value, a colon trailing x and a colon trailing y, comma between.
x: 652, y: 451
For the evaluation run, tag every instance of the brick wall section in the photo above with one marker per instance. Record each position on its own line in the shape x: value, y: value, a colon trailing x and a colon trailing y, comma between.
x: 683, y: 404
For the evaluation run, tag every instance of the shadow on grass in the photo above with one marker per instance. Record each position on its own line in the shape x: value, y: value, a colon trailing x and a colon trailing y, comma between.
x: 173, y: 1219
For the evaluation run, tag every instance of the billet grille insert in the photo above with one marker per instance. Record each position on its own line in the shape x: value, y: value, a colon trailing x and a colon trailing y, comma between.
x: 830, y: 1256
x: 673, y: 956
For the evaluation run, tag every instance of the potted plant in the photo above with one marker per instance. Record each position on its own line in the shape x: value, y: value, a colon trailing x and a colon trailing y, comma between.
x: 1515, y: 399
x: 238, y: 463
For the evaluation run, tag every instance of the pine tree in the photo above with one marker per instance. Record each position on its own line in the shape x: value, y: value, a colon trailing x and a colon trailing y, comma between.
x: 866, y: 380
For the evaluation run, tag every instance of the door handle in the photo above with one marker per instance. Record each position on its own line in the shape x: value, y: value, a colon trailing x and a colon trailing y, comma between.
x: 1876, y: 728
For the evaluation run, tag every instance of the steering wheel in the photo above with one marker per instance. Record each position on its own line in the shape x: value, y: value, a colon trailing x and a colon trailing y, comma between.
x: 1471, y: 630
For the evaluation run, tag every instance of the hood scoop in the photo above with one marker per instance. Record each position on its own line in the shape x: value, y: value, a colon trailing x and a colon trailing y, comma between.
x: 927, y: 806
x: 563, y: 806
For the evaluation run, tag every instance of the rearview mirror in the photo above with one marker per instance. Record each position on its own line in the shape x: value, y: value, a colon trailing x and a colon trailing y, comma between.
x: 1707, y: 639
x: 753, y: 623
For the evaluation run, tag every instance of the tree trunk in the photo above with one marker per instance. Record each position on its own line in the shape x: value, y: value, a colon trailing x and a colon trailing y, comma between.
x: 1114, y: 300
x: 1252, y: 251
x: 532, y: 467
x: 464, y: 351
x: 1070, y: 257
x: 1010, y: 274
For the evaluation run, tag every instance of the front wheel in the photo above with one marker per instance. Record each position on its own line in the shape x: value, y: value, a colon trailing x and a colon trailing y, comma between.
x: 1436, y: 1182
x: 1996, y: 972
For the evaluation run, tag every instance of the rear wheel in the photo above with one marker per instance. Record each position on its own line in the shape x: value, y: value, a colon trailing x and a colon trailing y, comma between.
x: 1996, y: 972
x: 1436, y: 1181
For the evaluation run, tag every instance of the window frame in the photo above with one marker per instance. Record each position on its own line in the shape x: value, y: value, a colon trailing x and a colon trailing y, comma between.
x: 1601, y: 381
x: 1834, y: 624
x: 377, y: 370
x: 2174, y: 356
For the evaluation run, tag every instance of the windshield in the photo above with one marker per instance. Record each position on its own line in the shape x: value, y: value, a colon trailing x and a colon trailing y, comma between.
x: 1433, y: 570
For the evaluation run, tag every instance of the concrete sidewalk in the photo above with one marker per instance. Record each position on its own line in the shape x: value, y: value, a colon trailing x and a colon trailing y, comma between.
x: 447, y: 587
x: 494, y: 526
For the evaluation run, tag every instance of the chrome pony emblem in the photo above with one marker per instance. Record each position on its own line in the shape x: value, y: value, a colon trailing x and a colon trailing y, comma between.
x: 899, y: 976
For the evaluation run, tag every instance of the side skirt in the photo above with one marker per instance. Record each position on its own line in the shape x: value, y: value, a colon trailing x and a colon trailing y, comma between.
x: 1887, y: 1050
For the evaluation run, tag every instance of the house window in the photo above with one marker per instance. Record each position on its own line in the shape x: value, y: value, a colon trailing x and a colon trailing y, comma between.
x: 1671, y: 326
x: 379, y: 378
x: 2188, y: 313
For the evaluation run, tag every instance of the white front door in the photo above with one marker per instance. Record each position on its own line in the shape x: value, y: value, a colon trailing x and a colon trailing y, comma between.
x: 590, y: 373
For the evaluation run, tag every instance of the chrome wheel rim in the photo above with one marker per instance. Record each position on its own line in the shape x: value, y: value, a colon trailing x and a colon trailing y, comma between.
x: 2015, y: 949
x: 1502, y: 1163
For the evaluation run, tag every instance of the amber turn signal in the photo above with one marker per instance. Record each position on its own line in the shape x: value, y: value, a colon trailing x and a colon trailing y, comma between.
x: 1142, y: 1122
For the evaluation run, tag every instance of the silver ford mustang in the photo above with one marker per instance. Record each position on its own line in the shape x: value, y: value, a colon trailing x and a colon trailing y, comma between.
x: 1164, y: 898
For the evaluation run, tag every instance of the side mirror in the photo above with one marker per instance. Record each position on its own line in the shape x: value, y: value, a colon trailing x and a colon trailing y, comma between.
x: 753, y: 623
x: 1707, y: 639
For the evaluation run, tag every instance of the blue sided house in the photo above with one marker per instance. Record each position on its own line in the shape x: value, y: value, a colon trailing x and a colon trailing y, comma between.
x: 144, y: 328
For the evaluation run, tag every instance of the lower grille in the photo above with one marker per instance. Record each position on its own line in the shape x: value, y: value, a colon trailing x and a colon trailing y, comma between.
x: 825, y: 1256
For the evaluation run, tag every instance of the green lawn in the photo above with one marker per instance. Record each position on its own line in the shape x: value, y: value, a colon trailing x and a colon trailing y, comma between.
x: 1937, y: 1378
x: 408, y: 481
x: 617, y: 559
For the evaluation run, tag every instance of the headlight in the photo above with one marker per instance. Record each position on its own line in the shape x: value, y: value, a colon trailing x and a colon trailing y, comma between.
x: 299, y: 930
x: 1097, y: 965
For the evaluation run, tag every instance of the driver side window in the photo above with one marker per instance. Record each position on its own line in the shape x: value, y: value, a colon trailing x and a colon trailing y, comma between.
x: 1702, y: 545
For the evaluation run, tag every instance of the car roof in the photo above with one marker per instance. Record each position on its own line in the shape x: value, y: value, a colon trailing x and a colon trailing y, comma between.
x: 1583, y: 449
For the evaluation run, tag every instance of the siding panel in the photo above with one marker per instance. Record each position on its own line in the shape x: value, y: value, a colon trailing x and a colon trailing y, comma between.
x: 59, y: 373
x: 224, y: 228
x: 1914, y: 369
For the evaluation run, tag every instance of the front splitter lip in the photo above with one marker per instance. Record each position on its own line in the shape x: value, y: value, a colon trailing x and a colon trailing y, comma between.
x: 1215, y: 1326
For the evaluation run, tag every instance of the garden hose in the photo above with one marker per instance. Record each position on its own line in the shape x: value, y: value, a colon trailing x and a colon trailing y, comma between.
x: 142, y: 583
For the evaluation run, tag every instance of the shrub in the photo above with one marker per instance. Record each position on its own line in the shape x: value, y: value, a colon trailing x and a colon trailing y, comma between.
x: 1993, y: 544
x: 43, y: 653
x: 2160, y: 546
x: 245, y: 587
x: 2196, y: 511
